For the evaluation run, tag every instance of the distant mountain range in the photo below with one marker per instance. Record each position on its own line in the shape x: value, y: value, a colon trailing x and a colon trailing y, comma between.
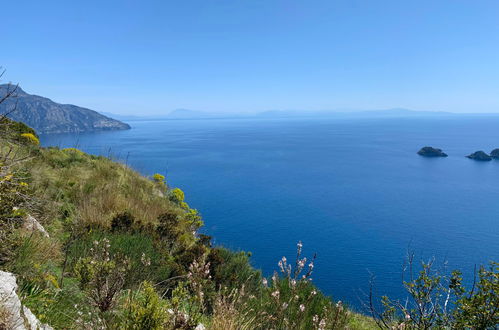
x: 194, y: 114
x: 47, y: 116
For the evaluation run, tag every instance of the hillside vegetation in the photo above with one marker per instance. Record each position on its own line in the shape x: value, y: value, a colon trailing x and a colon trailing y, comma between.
x: 122, y: 251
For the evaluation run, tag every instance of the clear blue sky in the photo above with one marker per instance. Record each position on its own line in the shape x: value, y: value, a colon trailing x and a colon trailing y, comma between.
x: 150, y: 57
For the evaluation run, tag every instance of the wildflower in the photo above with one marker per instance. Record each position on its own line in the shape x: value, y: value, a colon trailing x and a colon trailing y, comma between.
x: 302, y: 308
x: 275, y: 294
x: 281, y: 266
x: 313, y: 292
x: 322, y: 324
x: 293, y: 283
x: 264, y: 281
x: 407, y: 317
x: 315, y: 318
x: 284, y: 305
x: 299, y: 245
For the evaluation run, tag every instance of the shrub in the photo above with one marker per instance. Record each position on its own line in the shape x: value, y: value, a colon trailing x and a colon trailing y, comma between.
x: 144, y: 309
x: 478, y: 309
x: 176, y: 195
x: 73, y: 151
x: 158, y: 178
x: 122, y: 222
x: 30, y: 138
x: 100, y: 276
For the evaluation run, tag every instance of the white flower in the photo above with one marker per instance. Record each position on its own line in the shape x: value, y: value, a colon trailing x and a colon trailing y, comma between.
x: 315, y: 319
x: 200, y: 326
x: 302, y: 308
x: 264, y: 281
x: 313, y: 292
x: 275, y: 294
x: 293, y: 283
x: 284, y: 305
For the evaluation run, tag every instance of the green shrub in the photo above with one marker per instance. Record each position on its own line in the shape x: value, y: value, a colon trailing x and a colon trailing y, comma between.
x: 101, y: 276
x: 176, y: 195
x: 144, y: 309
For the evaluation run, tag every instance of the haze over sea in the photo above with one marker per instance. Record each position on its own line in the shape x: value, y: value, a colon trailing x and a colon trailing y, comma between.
x: 352, y: 190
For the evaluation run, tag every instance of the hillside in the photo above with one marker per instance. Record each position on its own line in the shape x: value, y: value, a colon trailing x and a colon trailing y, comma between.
x: 95, y: 245
x: 92, y: 244
x: 47, y: 116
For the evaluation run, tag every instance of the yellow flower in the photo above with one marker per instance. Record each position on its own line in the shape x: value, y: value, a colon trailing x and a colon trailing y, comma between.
x: 30, y: 138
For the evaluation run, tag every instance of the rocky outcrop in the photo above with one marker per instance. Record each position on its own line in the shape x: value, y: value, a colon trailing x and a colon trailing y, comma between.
x: 479, y: 155
x: 14, y: 315
x: 31, y: 224
x: 47, y: 116
x: 495, y: 153
x: 431, y: 152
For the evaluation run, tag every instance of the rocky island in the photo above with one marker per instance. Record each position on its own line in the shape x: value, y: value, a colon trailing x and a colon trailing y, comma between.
x: 479, y: 155
x: 47, y: 116
x: 495, y: 153
x: 431, y: 152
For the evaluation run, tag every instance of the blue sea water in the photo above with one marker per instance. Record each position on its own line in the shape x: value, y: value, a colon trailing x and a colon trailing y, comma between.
x: 354, y: 191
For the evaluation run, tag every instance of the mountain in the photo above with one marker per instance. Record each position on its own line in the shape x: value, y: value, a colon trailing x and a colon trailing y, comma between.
x: 47, y: 116
x: 396, y: 112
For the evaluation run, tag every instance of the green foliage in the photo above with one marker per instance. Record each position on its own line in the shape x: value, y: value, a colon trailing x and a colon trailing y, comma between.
x: 479, y: 309
x: 144, y: 309
x: 438, y: 301
x: 101, y: 276
x: 176, y: 195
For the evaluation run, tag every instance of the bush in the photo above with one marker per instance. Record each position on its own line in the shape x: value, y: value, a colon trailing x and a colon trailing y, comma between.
x: 122, y: 222
x: 100, y: 276
x: 144, y: 309
x: 176, y: 195
x: 30, y: 138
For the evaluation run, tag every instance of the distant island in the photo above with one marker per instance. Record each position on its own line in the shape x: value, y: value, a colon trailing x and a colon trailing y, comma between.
x: 431, y: 152
x: 479, y: 155
x: 47, y: 116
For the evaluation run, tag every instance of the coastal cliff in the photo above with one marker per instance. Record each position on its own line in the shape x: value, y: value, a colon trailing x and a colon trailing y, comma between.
x: 47, y: 116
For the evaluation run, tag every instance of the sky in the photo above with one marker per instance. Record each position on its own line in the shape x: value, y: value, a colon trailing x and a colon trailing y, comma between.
x: 151, y: 57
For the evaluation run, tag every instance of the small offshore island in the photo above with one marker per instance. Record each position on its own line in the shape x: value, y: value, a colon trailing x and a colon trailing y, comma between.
x: 479, y: 155
x: 431, y: 152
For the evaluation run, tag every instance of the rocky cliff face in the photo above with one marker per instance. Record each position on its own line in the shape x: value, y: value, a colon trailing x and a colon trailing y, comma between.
x: 47, y: 116
x: 15, y: 316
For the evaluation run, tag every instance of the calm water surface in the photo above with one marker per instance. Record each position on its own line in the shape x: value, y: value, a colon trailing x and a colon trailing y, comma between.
x: 354, y: 191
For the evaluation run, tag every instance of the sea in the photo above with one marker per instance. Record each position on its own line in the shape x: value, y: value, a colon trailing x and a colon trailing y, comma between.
x: 352, y: 190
